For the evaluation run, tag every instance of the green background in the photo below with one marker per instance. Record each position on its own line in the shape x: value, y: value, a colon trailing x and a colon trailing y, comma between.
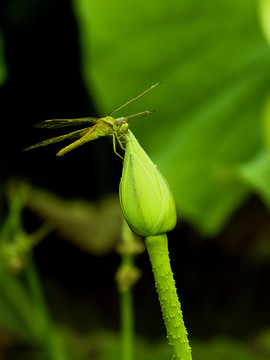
x: 206, y: 135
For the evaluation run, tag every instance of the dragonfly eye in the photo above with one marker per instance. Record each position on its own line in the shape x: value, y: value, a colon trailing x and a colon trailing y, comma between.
x: 120, y: 121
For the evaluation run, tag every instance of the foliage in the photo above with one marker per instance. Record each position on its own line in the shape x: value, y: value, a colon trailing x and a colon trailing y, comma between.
x: 208, y: 126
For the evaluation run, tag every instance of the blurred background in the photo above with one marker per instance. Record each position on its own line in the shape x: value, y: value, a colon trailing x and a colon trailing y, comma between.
x: 210, y: 137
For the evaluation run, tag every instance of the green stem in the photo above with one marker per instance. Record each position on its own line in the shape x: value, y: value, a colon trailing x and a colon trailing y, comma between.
x: 157, y: 247
x: 51, y: 338
x: 127, y: 327
x: 126, y: 296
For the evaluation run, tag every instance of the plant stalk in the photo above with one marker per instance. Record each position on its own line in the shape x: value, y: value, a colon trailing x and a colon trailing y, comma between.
x: 125, y: 285
x: 51, y: 337
x: 127, y: 324
x: 157, y: 247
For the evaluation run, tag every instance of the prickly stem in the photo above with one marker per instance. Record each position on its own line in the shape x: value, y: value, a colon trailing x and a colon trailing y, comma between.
x: 157, y: 247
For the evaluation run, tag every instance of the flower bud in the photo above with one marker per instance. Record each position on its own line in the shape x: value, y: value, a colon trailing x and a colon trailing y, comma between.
x: 145, y: 196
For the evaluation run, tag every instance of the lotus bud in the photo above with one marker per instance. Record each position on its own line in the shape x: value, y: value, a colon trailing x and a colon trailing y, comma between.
x: 145, y: 196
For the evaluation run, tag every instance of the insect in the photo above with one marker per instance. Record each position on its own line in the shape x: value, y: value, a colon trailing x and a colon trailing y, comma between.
x: 116, y: 127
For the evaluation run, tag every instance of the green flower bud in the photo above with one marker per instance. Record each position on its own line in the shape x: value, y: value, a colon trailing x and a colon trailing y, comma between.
x: 145, y: 196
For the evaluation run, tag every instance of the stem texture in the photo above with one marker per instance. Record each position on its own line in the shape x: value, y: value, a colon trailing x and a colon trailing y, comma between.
x: 157, y: 247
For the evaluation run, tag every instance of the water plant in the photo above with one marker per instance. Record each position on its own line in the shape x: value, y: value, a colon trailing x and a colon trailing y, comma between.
x: 149, y: 209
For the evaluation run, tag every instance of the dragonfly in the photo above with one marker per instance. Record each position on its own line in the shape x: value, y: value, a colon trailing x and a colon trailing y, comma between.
x: 104, y: 126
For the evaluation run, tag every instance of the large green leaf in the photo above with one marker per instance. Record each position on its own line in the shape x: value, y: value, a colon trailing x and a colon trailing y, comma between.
x: 257, y: 174
x: 215, y: 61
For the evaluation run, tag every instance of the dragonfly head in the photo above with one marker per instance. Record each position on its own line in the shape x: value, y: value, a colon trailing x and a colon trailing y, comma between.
x: 120, y: 125
x: 120, y: 121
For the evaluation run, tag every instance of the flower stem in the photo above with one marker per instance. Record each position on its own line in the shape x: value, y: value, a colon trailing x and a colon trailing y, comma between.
x: 157, y: 247
x: 126, y: 276
x: 127, y: 326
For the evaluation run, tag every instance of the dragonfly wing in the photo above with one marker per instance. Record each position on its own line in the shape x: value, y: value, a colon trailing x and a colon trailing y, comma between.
x: 59, y: 123
x: 74, y: 134
x: 89, y: 135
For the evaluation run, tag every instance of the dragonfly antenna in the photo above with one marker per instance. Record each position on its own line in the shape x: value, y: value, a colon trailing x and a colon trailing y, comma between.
x: 136, y: 97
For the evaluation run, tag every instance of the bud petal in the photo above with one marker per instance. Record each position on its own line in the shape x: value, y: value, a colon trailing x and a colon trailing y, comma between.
x: 145, y: 196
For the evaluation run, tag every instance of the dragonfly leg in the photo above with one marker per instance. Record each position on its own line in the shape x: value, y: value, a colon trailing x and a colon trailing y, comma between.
x: 114, y: 147
x: 121, y: 141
